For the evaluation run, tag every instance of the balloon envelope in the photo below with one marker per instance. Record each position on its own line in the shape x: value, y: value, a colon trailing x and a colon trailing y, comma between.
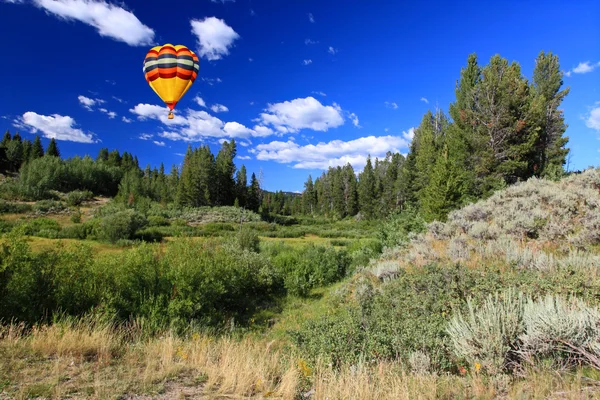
x: 170, y: 71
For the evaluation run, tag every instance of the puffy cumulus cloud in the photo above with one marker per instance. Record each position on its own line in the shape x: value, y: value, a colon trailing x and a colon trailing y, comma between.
x: 593, y: 120
x: 409, y: 135
x: 158, y: 143
x: 88, y: 103
x: 196, y: 126
x: 126, y: 120
x: 214, y: 37
x: 307, y: 113
x: 584, y: 67
x: 331, y: 154
x: 109, y: 20
x: 217, y: 108
x: 54, y: 126
x: 354, y: 118
x: 145, y: 136
x: 244, y: 157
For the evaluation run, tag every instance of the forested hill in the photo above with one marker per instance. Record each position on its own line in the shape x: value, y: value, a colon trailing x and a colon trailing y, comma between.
x: 502, y: 128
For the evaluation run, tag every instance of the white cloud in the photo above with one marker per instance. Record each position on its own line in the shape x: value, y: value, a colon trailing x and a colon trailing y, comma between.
x: 214, y: 37
x: 391, y: 105
x: 245, y: 144
x: 584, y: 68
x: 386, y: 129
x: 110, y: 20
x: 244, y: 157
x: 200, y: 101
x: 333, y: 153
x: 88, y: 103
x: 145, y: 136
x: 211, y: 81
x: 156, y: 142
x: 409, y: 135
x: 319, y: 93
x: 111, y: 114
x: 307, y: 113
x: 311, y: 18
x: 217, y: 108
x: 424, y: 100
x: 195, y: 126
x: 331, y: 50
x: 126, y: 120
x: 251, y: 103
x: 250, y: 59
x: 14, y: 1
x: 307, y: 62
x: 568, y: 73
x: 354, y: 118
x: 309, y: 41
x: 593, y: 121
x: 111, y: 82
x: 54, y: 126
x: 119, y: 100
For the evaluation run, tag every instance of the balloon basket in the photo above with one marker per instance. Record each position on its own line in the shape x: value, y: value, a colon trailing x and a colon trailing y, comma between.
x: 171, y: 116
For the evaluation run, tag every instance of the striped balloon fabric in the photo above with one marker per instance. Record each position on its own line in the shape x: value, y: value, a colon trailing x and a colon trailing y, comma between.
x: 170, y: 71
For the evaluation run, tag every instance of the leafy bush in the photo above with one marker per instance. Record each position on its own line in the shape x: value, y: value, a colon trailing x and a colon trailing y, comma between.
x: 35, y: 226
x: 157, y: 220
x: 49, y: 206
x: 76, y: 217
x: 248, y: 240
x: 78, y: 231
x: 7, y: 207
x: 77, y: 197
x: 149, y: 235
x: 396, y: 228
x: 121, y: 225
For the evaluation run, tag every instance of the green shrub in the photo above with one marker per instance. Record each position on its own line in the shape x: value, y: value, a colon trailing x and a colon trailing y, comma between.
x: 77, y: 197
x: 49, y: 206
x: 149, y: 235
x: 35, y: 226
x: 157, y: 220
x: 396, y: 228
x: 248, y: 240
x: 7, y: 207
x: 76, y: 217
x: 121, y: 225
x: 78, y: 231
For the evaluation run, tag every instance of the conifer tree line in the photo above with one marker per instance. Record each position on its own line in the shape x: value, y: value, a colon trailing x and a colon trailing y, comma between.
x: 501, y: 129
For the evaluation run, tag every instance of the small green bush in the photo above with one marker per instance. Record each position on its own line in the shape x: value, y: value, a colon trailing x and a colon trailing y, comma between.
x: 151, y: 234
x: 247, y: 239
x: 157, y: 220
x: 396, y: 228
x: 49, y: 206
x: 7, y: 207
x: 77, y: 197
x: 46, y: 225
x: 121, y: 225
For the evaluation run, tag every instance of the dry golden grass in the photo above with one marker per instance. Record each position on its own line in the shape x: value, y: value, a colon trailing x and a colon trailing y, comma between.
x: 94, y: 360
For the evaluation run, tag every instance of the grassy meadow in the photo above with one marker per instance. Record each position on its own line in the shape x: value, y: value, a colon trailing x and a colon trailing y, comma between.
x: 500, y: 301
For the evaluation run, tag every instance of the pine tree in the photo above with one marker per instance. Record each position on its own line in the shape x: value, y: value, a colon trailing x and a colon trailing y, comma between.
x: 27, y: 148
x: 350, y: 190
x: 102, y: 154
x: 6, y: 139
x: 185, y: 181
x: 241, y: 184
x: 366, y: 190
x: 254, y: 194
x: 224, y: 183
x: 37, y: 150
x: 309, y: 197
x: 546, y: 98
x: 52, y: 150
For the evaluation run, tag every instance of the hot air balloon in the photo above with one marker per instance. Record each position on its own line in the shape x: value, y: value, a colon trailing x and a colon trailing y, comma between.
x: 170, y: 71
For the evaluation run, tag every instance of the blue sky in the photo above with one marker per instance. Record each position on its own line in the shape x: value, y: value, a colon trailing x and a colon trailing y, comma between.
x: 301, y: 85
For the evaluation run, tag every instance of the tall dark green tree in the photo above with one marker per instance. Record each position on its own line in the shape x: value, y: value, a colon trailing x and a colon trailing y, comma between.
x: 52, y: 150
x: 254, y: 200
x: 547, y: 96
x: 366, y: 190
x: 224, y: 182
x: 37, y: 150
x: 241, y: 185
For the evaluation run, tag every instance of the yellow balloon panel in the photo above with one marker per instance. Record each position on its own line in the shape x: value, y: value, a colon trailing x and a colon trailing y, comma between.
x: 170, y: 71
